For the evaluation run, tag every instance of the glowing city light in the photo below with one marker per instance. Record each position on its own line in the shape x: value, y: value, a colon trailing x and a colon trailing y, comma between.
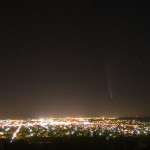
x: 60, y: 127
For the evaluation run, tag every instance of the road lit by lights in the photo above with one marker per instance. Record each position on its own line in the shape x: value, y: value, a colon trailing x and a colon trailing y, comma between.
x: 15, y: 133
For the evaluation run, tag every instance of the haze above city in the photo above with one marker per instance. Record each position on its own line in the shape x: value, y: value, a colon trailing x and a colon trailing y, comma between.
x: 74, y: 59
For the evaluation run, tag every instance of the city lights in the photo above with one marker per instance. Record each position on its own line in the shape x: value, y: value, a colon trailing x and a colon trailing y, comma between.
x: 78, y: 127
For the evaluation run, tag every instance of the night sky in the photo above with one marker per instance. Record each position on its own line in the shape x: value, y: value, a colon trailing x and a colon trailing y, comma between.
x: 74, y: 59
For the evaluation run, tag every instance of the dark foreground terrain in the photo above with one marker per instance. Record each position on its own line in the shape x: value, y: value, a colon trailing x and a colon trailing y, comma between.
x: 130, y: 143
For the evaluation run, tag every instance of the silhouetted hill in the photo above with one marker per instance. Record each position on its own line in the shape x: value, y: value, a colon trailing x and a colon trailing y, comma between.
x: 134, y: 118
x: 80, y: 143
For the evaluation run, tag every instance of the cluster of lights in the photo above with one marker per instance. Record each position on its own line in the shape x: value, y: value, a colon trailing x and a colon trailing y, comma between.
x: 59, y: 127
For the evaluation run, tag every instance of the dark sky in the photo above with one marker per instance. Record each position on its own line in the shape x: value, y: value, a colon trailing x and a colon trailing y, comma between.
x: 74, y: 59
